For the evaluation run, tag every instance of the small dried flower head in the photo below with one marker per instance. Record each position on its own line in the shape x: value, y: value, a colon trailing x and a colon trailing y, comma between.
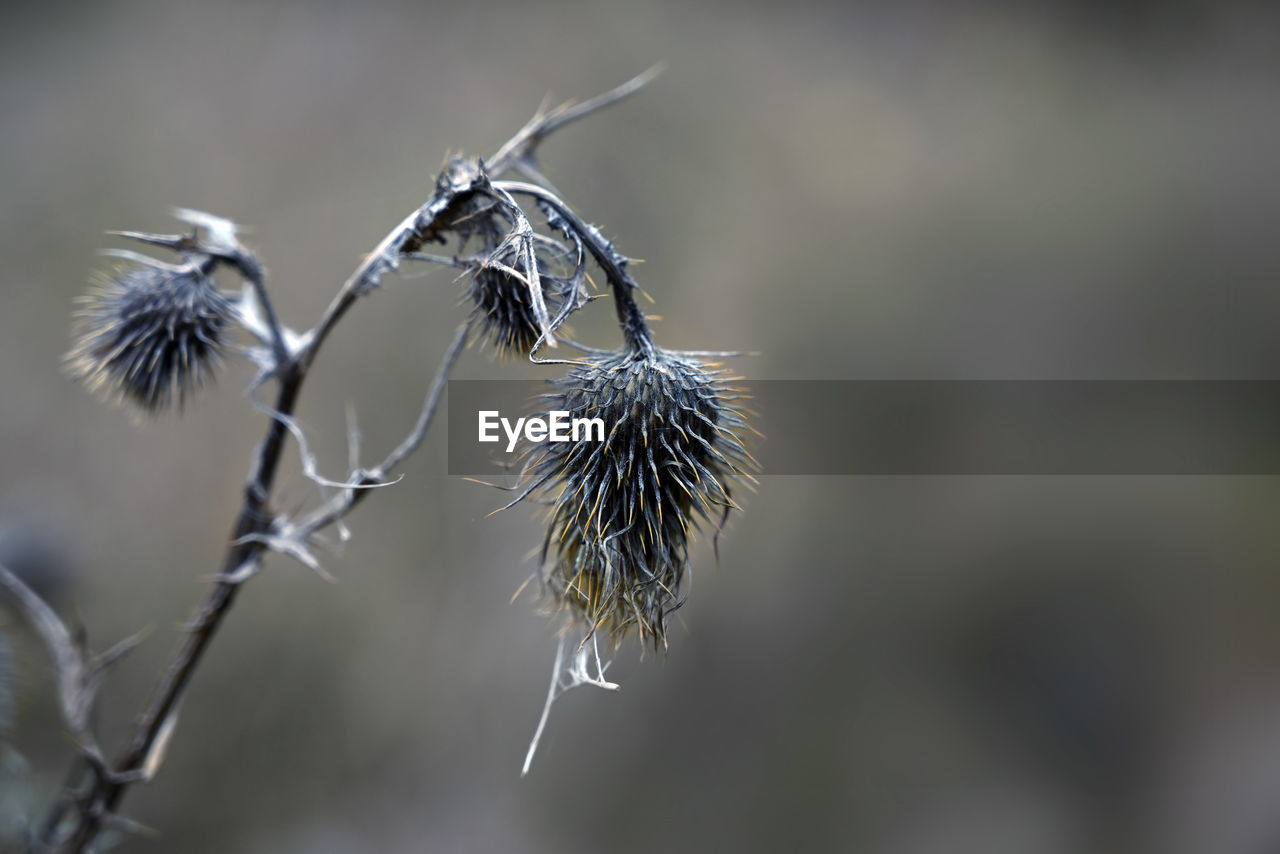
x: 149, y: 332
x: 503, y: 312
x: 616, y: 548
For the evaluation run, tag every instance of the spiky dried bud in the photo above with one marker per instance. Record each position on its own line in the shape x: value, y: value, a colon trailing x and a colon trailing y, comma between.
x: 623, y: 510
x: 149, y: 332
x: 503, y: 313
x: 506, y: 313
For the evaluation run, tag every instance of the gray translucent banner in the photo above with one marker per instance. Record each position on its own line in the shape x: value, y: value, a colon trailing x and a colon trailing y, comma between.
x: 815, y: 427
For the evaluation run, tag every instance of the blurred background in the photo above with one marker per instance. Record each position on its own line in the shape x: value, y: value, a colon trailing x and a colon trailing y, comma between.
x: 896, y: 665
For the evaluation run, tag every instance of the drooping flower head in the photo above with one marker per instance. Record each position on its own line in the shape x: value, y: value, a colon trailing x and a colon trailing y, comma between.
x: 504, y: 309
x: 623, y: 509
x: 150, y: 332
x: 503, y: 312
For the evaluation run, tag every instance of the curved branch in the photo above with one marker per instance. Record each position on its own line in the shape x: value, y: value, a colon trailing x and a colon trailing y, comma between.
x: 521, y: 148
x: 342, y: 503
x: 635, y: 328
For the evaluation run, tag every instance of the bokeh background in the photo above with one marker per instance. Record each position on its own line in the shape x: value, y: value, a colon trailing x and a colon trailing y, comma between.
x: 877, y: 664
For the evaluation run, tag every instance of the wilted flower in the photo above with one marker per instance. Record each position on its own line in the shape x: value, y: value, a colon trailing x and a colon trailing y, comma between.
x: 149, y: 330
x: 616, y: 549
x: 504, y: 312
x: 507, y: 314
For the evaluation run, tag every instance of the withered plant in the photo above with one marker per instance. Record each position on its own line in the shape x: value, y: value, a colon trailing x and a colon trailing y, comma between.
x: 621, y: 511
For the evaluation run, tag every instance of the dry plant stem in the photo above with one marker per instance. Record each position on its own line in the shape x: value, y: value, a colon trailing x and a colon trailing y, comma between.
x: 106, y: 791
x: 634, y: 326
x: 342, y: 503
x: 95, y: 806
x: 251, y: 270
x: 520, y: 147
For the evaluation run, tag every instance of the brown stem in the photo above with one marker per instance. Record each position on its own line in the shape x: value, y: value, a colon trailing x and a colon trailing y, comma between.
x: 107, y: 791
x: 635, y: 328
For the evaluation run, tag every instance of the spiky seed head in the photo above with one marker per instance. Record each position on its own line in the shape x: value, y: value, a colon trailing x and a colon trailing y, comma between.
x: 623, y: 510
x: 149, y: 333
x: 503, y: 312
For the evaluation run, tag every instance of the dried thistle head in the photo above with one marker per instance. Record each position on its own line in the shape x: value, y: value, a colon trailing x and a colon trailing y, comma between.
x: 149, y: 332
x: 616, y: 548
x: 514, y: 286
x: 503, y: 312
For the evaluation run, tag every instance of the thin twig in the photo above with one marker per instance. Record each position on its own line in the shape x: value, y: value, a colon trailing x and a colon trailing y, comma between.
x: 524, y: 144
x: 342, y: 503
x: 73, y: 671
x: 251, y: 270
x: 546, y: 708
x: 430, y: 404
